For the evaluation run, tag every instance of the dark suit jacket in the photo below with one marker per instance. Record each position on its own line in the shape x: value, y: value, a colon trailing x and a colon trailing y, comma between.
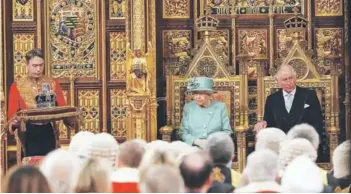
x: 275, y: 113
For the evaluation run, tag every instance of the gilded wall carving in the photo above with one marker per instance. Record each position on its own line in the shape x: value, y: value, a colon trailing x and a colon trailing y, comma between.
x: 176, y: 9
x: 117, y: 9
x: 284, y: 40
x: 253, y: 42
x: 62, y: 127
x: 328, y: 7
x: 22, y: 10
x: 89, y: 103
x: 22, y: 43
x: 219, y: 41
x: 138, y: 25
x: 329, y: 42
x: 177, y: 49
x: 72, y: 38
x: 117, y: 56
x: 118, y: 112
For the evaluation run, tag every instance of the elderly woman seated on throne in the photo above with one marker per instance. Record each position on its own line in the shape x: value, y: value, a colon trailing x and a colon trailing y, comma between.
x: 203, y: 115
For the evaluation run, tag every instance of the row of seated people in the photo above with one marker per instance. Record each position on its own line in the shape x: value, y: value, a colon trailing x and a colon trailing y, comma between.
x: 97, y: 163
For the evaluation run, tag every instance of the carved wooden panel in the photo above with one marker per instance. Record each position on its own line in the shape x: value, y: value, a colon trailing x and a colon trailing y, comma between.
x: 22, y: 43
x: 117, y: 9
x: 72, y: 37
x: 89, y: 103
x: 177, y: 46
x: 329, y: 41
x: 117, y: 56
x: 328, y: 7
x: 253, y: 42
x: 176, y: 9
x: 219, y: 40
x: 118, y: 112
x: 22, y: 10
x: 284, y: 40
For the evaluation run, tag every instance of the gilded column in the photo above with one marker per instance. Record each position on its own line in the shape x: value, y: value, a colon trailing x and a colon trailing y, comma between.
x: 347, y: 71
x: 271, y: 35
x: 39, y: 10
x: 104, y: 67
x: 309, y: 19
x: 138, y: 24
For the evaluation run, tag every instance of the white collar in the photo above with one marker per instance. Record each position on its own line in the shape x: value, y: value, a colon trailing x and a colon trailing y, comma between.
x: 292, y: 92
x: 259, y: 186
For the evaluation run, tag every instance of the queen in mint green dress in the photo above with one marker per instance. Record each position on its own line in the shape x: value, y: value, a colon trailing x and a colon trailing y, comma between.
x: 203, y: 115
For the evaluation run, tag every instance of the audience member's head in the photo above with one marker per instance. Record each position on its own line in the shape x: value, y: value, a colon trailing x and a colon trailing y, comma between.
x: 158, y: 144
x: 270, y: 138
x: 156, y: 157
x: 130, y: 154
x: 104, y: 146
x: 341, y: 159
x: 294, y: 148
x: 304, y: 131
x: 61, y: 169
x: 221, y: 147
x: 302, y: 176
x: 25, y: 179
x: 162, y: 179
x: 262, y: 166
x: 196, y: 170
x: 178, y: 147
x: 93, y: 178
x: 79, y: 143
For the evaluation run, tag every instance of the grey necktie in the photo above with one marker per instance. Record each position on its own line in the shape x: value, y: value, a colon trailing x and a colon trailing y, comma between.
x: 288, y: 101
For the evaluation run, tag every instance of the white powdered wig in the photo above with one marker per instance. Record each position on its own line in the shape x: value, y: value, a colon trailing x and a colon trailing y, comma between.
x: 294, y: 148
x: 341, y: 159
x: 302, y: 176
x: 261, y: 166
x: 270, y: 138
x: 80, y: 142
x: 61, y: 168
x: 105, y: 147
x: 304, y: 131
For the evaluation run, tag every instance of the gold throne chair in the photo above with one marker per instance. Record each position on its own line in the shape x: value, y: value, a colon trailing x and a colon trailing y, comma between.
x: 230, y: 89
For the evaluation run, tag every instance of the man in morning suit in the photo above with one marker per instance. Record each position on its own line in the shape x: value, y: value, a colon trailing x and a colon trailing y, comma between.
x: 291, y: 105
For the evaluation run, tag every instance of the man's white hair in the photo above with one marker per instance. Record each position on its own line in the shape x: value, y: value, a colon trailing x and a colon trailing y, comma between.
x: 262, y: 165
x: 302, y: 176
x: 61, y: 168
x: 294, y: 148
x: 105, y: 147
x: 178, y: 147
x: 341, y: 160
x: 221, y: 147
x: 284, y: 68
x: 79, y: 143
x: 270, y: 138
x: 304, y: 131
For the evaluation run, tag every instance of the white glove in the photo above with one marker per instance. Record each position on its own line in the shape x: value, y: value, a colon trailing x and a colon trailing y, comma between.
x: 202, y: 143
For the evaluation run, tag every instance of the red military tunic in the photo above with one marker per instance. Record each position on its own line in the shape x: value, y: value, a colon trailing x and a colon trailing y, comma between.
x: 39, y: 138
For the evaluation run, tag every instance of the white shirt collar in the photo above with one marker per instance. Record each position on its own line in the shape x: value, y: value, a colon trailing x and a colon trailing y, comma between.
x: 292, y: 92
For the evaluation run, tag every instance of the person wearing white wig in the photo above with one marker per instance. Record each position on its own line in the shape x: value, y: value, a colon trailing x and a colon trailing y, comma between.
x: 341, y: 170
x: 308, y: 132
x: 105, y: 147
x: 304, y: 131
x: 79, y: 143
x: 302, y: 176
x: 261, y: 172
x: 270, y: 138
x: 61, y: 168
x: 294, y: 148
